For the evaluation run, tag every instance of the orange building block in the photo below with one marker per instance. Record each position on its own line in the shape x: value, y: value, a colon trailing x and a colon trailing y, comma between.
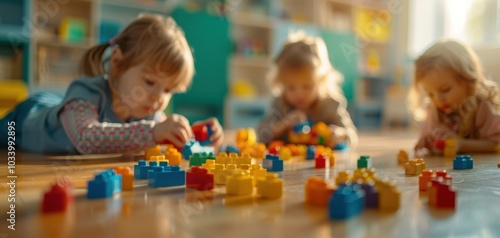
x: 424, y: 180
x: 403, y: 157
x: 127, y: 177
x: 317, y: 192
x: 152, y: 151
x: 173, y: 156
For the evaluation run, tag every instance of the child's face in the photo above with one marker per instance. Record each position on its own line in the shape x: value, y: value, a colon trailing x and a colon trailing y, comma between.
x: 143, y: 94
x: 300, y: 89
x: 446, y: 90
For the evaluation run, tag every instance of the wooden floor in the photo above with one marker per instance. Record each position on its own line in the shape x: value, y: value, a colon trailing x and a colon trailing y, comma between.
x: 180, y: 212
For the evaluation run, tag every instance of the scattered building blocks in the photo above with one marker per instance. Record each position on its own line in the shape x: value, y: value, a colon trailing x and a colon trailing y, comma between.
x: 389, y: 198
x: 152, y: 151
x: 317, y: 192
x: 403, y: 157
x: 193, y: 146
x: 424, y: 180
x: 141, y: 169
x: 198, y: 178
x: 311, y: 152
x: 127, y: 177
x: 439, y: 144
x: 371, y: 195
x: 157, y: 158
x: 343, y: 177
x: 197, y: 159
x: 270, y: 186
x: 104, y: 185
x: 346, y: 202
x: 58, y: 198
x: 257, y: 172
x: 272, y: 163
x: 441, y: 195
x: 167, y: 177
x: 463, y: 162
x: 414, y: 167
x: 498, y: 165
x: 173, y: 156
x: 239, y: 184
x: 364, y: 161
x: 285, y: 153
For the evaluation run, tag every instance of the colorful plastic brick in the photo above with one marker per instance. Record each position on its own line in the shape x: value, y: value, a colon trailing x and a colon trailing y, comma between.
x: 320, y: 161
x: 293, y: 149
x: 403, y: 157
x: 272, y: 163
x: 450, y: 149
x: 197, y: 159
x: 246, y: 137
x: 230, y: 149
x: 239, y: 184
x: 343, y: 177
x: 127, y: 177
x: 441, y: 195
x: 311, y: 152
x: 371, y: 195
x: 198, y: 178
x: 463, y: 162
x: 209, y: 165
x: 167, y: 177
x: 104, y: 185
x: 389, y: 197
x: 58, y: 198
x: 361, y: 176
x: 257, y: 172
x: 259, y: 151
x: 141, y: 169
x: 243, y: 159
x: 364, y: 161
x: 341, y: 146
x: 152, y: 151
x: 173, y: 156
x: 270, y: 186
x: 275, y: 146
x: 424, y: 180
x: 220, y: 174
x: 317, y: 192
x: 285, y: 153
x: 444, y: 176
x: 346, y: 202
x: 201, y: 133
x: 193, y: 146
x: 414, y: 167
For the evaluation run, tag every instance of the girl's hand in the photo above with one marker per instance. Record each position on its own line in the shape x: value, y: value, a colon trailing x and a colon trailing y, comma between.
x: 338, y: 134
x: 425, y: 142
x: 217, y: 132
x: 293, y: 118
x: 175, y: 130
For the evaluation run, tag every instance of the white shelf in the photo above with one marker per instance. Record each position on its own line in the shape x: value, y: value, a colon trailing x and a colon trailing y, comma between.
x: 260, y: 62
x: 165, y: 7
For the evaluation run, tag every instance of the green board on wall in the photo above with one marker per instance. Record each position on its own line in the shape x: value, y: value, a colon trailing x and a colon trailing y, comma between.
x: 209, y: 38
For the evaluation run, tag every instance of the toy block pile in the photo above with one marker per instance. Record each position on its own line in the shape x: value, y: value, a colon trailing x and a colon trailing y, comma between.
x: 414, y: 167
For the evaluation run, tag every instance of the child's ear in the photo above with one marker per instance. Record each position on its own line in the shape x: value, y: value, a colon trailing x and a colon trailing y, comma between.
x: 116, y: 58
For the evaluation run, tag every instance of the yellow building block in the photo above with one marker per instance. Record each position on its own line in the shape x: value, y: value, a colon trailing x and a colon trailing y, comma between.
x: 257, y: 172
x: 152, y: 151
x: 173, y: 156
x: 245, y: 137
x: 403, y: 157
x: 285, y: 153
x: 127, y: 177
x: 343, y: 177
x: 239, y: 184
x: 157, y: 158
x: 270, y: 187
x: 243, y: 159
x: 209, y: 165
x: 414, y: 167
x: 450, y: 149
x: 222, y: 158
x: 14, y: 91
x: 389, y: 198
x: 259, y: 151
x: 361, y: 175
x: 302, y: 149
x: 220, y: 174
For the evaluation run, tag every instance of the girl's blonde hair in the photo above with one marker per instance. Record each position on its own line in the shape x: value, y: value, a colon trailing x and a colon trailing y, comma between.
x: 460, y: 60
x: 152, y: 39
x: 302, y: 51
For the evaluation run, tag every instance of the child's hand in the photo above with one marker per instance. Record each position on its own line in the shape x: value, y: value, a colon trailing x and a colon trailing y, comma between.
x: 175, y: 129
x: 338, y: 134
x: 217, y: 133
x: 426, y: 142
x: 294, y: 117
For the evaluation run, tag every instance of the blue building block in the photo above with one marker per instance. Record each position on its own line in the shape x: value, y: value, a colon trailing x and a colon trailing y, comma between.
x: 310, y: 152
x: 141, y: 169
x: 302, y: 128
x: 272, y: 163
x: 104, y: 185
x: 229, y: 149
x: 371, y: 195
x: 341, y: 146
x: 193, y: 146
x: 346, y: 202
x: 167, y: 177
x: 463, y: 162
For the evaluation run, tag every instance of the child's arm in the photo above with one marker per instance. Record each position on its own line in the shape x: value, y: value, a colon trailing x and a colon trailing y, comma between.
x: 275, y: 125
x: 79, y: 119
x: 477, y: 146
x: 339, y: 120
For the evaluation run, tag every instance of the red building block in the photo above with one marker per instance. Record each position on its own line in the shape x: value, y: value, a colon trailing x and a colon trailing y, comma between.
x: 59, y: 197
x: 424, y: 180
x: 441, y: 195
x: 444, y: 175
x: 320, y: 161
x: 439, y: 144
x: 200, y: 132
x: 198, y: 178
x: 274, y: 147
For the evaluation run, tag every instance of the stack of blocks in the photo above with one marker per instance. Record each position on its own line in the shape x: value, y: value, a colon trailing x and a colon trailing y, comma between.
x: 414, y: 167
x: 272, y: 163
x: 198, y: 178
x: 104, y: 185
x: 173, y: 156
x: 141, y: 169
x: 463, y: 162
x: 270, y: 187
x: 58, y: 198
x: 152, y: 151
x: 364, y: 161
x: 449, y: 146
x: 317, y: 192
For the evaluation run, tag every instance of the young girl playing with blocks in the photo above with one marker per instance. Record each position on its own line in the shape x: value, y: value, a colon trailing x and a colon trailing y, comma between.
x: 452, y: 93
x: 117, y: 106
x: 306, y: 88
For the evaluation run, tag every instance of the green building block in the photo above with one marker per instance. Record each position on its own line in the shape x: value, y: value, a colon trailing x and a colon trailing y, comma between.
x: 197, y: 159
x: 364, y: 161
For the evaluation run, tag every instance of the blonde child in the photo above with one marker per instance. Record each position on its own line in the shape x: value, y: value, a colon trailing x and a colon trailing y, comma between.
x: 306, y: 88
x: 118, y: 105
x: 451, y: 92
